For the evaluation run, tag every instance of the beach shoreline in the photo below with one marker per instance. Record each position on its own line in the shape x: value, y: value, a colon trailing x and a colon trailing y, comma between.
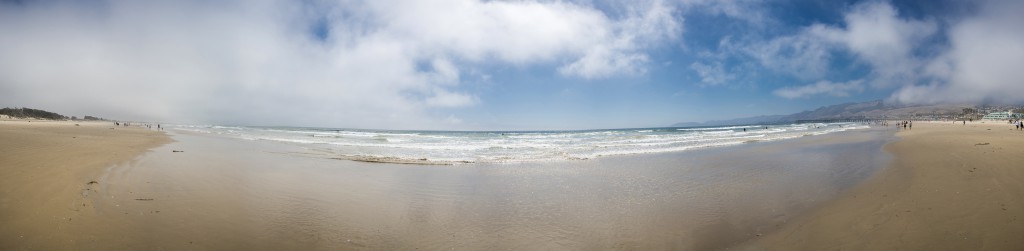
x: 950, y: 186
x: 48, y: 173
x: 228, y: 193
x: 158, y: 190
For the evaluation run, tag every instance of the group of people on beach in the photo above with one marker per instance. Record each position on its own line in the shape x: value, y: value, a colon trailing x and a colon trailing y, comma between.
x: 906, y: 124
x: 1019, y: 124
x: 148, y: 126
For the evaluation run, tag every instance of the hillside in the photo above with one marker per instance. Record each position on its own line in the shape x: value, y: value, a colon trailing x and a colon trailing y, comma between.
x: 876, y: 109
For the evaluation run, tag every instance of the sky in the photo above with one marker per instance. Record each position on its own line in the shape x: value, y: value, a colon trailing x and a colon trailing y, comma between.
x: 500, y: 65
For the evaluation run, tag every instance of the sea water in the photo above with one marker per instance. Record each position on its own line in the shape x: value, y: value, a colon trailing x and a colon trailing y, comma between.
x: 447, y: 147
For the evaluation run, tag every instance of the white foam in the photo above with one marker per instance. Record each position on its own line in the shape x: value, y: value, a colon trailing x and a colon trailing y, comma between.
x: 465, y: 147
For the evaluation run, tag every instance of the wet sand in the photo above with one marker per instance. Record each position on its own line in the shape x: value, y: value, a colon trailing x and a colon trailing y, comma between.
x: 208, y: 192
x: 950, y: 187
x: 221, y: 193
x: 46, y: 174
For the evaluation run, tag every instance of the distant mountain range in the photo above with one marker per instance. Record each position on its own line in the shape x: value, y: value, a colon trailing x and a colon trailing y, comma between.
x: 865, y: 110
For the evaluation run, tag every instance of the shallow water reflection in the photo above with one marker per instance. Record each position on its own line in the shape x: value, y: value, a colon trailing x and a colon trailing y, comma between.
x: 226, y: 193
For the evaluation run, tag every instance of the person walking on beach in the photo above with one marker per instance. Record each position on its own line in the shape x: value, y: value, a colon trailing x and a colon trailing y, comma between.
x: 910, y: 125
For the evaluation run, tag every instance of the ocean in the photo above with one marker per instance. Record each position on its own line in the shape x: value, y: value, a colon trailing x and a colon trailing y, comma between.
x: 457, y: 147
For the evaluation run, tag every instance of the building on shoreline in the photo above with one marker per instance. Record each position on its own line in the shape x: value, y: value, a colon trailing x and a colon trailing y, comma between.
x: 1007, y: 115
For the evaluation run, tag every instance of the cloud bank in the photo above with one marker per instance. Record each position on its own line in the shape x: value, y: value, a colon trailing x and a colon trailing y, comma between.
x: 977, y: 64
x: 982, y: 63
x: 439, y: 64
x: 376, y: 64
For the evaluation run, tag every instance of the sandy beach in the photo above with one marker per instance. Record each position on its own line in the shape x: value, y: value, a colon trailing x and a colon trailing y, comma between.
x: 950, y: 187
x: 224, y: 193
x: 945, y: 187
x: 511, y: 125
x: 47, y: 174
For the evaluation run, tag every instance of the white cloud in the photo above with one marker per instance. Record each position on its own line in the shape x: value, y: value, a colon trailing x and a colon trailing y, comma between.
x: 747, y: 10
x: 381, y: 64
x: 880, y: 37
x: 930, y: 93
x: 711, y: 74
x: 519, y: 32
x: 600, y: 62
x: 908, y: 55
x: 821, y: 87
x: 620, y: 50
x: 805, y: 55
x: 443, y: 98
x: 444, y: 72
x: 980, y: 63
x: 524, y: 32
x: 983, y: 63
x: 874, y: 33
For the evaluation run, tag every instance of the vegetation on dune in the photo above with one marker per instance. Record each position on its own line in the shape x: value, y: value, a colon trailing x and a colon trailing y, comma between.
x: 31, y: 113
x: 41, y: 114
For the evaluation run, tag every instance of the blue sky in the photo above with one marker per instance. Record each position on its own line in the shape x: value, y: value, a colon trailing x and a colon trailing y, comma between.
x: 496, y: 65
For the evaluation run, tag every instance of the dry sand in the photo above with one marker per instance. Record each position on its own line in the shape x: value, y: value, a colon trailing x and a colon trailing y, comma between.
x: 950, y: 187
x: 46, y: 170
